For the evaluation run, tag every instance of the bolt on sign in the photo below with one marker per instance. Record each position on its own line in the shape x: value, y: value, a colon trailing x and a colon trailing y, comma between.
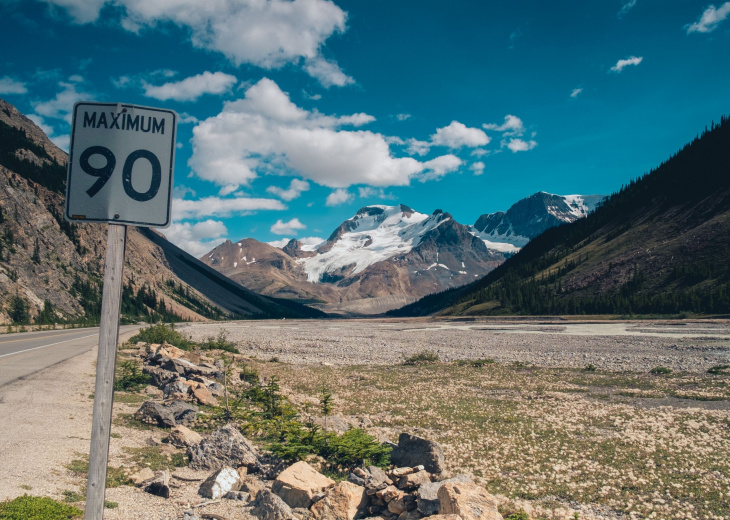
x: 121, y: 164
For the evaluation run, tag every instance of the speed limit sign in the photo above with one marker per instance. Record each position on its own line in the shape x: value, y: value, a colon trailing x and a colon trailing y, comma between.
x: 120, y: 164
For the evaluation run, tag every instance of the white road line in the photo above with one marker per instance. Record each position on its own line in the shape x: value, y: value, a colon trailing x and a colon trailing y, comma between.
x: 44, y: 346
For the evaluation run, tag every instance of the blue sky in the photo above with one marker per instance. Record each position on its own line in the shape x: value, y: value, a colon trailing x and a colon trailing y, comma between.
x: 294, y: 114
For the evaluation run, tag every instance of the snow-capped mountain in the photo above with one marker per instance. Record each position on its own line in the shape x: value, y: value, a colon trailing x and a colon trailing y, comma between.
x: 381, y: 258
x: 509, y: 231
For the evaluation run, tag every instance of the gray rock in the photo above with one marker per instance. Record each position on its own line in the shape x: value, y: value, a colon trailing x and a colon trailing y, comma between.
x: 241, y: 496
x: 268, y: 506
x: 167, y: 416
x: 427, y: 495
x: 224, y: 447
x: 190, y: 515
x: 356, y: 480
x: 160, y: 486
x: 301, y: 513
x: 378, y: 475
x: 414, y: 451
x: 159, y: 377
x: 175, y: 387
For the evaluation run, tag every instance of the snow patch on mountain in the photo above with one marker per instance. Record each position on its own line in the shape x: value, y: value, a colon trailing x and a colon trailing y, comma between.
x: 375, y: 234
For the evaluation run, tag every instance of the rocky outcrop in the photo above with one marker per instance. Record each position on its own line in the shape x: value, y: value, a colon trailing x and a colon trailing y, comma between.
x: 469, y: 501
x: 341, y: 502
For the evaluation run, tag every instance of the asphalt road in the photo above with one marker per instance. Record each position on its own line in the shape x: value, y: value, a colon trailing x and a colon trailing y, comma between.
x: 29, y: 352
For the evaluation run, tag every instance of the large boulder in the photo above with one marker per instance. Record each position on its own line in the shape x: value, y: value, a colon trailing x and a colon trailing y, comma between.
x: 268, y: 506
x: 167, y: 416
x: 469, y: 501
x: 159, y: 377
x: 414, y: 451
x: 427, y: 494
x: 220, y: 483
x: 298, y: 483
x: 341, y: 502
x: 224, y: 447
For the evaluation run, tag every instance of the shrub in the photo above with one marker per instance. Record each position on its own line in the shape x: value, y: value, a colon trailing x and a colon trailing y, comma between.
x: 162, y: 333
x: 424, y: 357
x: 718, y: 370
x: 37, y: 508
x: 129, y: 377
x: 658, y: 371
x: 221, y: 342
x: 519, y: 515
x: 590, y: 367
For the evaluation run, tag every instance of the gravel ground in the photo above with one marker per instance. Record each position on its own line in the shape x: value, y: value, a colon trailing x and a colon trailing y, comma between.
x: 691, y: 346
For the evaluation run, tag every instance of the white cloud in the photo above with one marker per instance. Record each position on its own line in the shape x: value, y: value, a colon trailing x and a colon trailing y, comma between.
x: 265, y: 131
x: 221, y: 207
x: 366, y: 192
x: 327, y: 72
x: 296, y: 187
x: 512, y: 125
x: 711, y: 18
x: 627, y: 6
x: 197, y: 239
x: 266, y: 33
x: 576, y: 92
x: 632, y: 60
x: 457, y: 135
x: 187, y: 118
x: 519, y: 145
x: 190, y: 89
x: 338, y: 197
x: 440, y: 166
x: 403, y: 117
x: 416, y: 147
x: 9, y: 85
x: 477, y: 168
x: 287, y: 228
x: 61, y: 106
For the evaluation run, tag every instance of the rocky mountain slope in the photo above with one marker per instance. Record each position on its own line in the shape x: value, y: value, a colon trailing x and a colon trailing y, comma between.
x: 380, y: 259
x: 659, y: 245
x: 530, y: 217
x: 51, y: 270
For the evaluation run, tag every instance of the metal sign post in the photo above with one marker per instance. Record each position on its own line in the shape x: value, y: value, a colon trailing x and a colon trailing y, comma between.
x: 120, y: 171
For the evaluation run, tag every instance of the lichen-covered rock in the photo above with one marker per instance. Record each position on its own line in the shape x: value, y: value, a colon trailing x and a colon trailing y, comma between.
x: 224, y: 447
x: 298, y: 483
x: 468, y: 500
x: 177, y: 412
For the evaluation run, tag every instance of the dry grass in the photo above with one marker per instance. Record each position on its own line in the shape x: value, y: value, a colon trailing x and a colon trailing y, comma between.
x: 629, y: 445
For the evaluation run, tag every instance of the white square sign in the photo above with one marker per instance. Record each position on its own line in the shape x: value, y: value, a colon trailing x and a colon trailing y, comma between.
x: 120, y: 164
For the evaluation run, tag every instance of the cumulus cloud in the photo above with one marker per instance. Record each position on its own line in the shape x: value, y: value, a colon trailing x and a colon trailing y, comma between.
x: 512, y: 125
x: 197, y: 239
x: 266, y: 33
x: 190, y: 89
x: 631, y: 60
x: 61, y: 106
x: 576, y: 92
x: 519, y: 145
x: 9, y: 85
x: 221, y: 207
x: 287, y: 228
x: 403, y: 117
x: 367, y: 192
x: 710, y: 19
x: 327, y: 72
x: 457, y: 135
x: 296, y: 187
x: 477, y: 168
x: 338, y: 197
x: 265, y: 131
x: 416, y: 147
x: 440, y: 166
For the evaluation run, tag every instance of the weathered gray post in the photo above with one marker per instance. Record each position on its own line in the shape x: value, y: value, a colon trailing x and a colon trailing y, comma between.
x: 105, y: 369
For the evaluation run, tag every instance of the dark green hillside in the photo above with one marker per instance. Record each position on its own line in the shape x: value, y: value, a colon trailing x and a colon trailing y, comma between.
x: 659, y: 245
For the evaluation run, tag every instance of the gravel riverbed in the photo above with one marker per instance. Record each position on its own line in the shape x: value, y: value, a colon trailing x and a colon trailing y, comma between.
x: 690, y: 346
